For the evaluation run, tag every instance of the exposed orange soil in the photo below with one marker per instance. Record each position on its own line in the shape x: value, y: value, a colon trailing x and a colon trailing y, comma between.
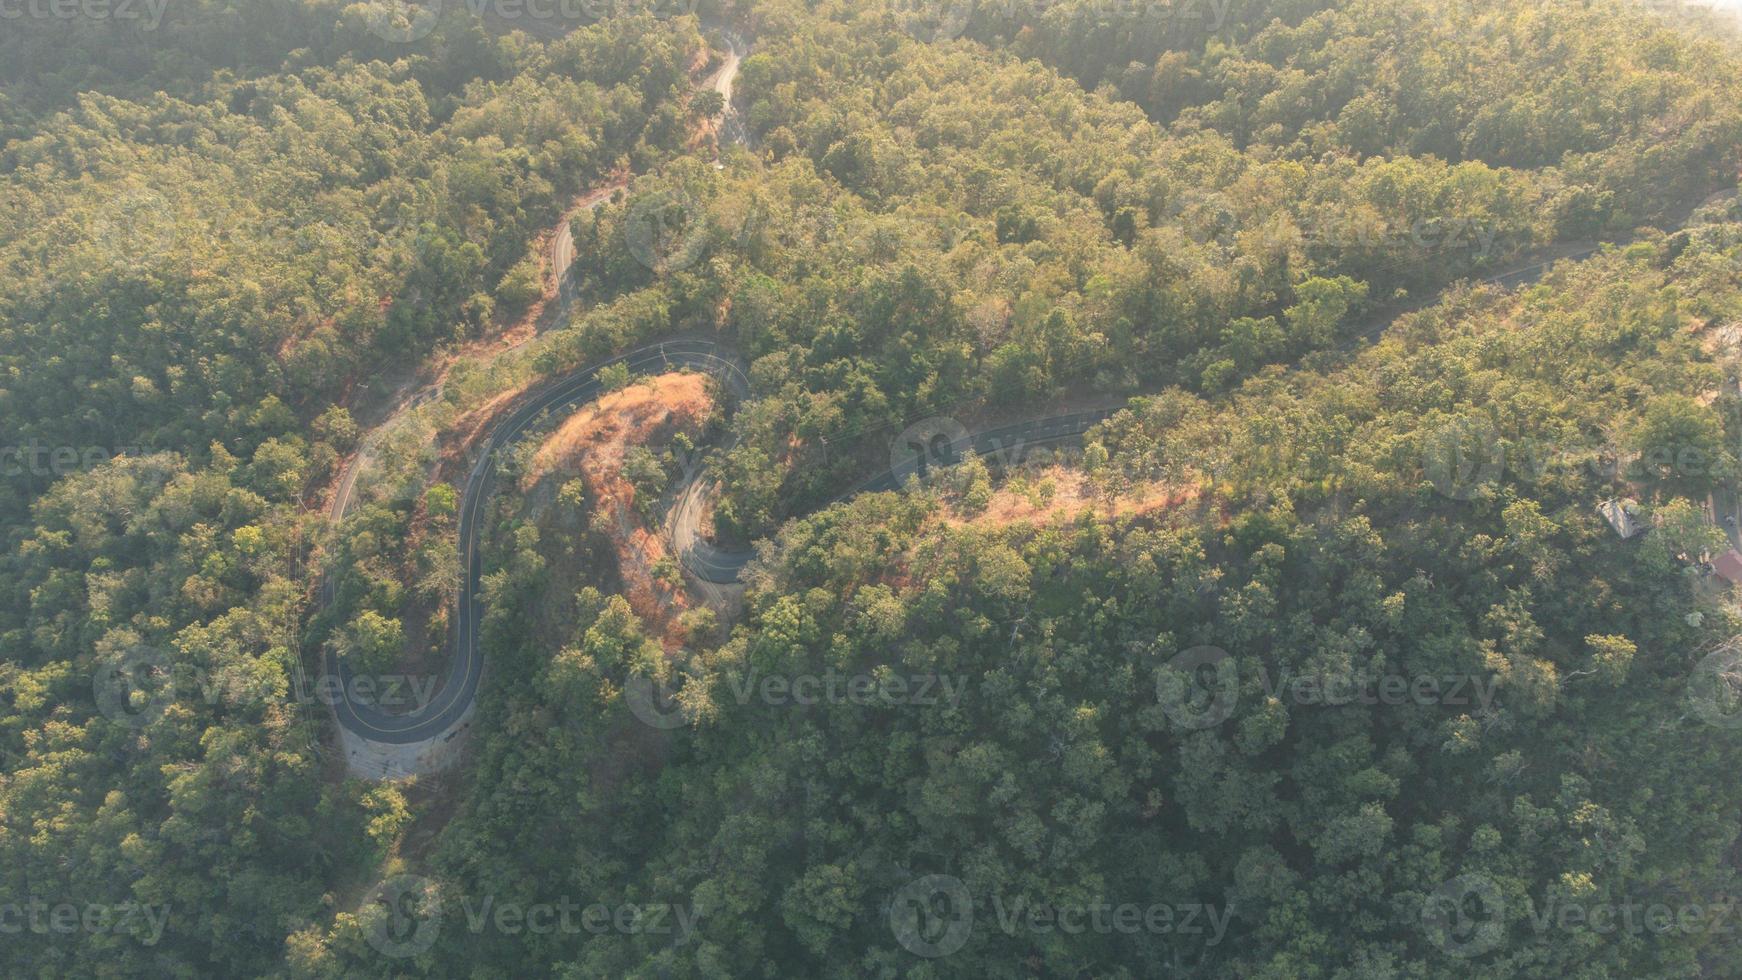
x: 466, y: 430
x: 502, y: 338
x: 1071, y: 497
x: 591, y: 444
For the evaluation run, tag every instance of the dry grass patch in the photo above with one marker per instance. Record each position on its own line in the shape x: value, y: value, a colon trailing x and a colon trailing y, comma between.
x: 1060, y: 494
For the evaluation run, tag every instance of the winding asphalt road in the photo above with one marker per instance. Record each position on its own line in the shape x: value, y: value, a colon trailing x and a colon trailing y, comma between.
x: 708, y: 562
x: 461, y: 685
x: 721, y: 566
x: 711, y: 564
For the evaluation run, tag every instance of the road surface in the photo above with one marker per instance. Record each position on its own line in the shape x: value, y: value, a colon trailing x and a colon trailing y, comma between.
x: 467, y: 667
x: 460, y: 687
x: 1726, y: 512
x: 708, y: 562
x: 722, y: 566
x: 732, y: 127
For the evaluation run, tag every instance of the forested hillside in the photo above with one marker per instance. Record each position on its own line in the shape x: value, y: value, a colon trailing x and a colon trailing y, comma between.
x: 221, y: 268
x: 197, y: 277
x: 1318, y: 658
x: 944, y: 224
x: 1563, y: 748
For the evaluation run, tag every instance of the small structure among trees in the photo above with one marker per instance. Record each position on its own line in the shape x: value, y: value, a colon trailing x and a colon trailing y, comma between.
x: 1623, y: 516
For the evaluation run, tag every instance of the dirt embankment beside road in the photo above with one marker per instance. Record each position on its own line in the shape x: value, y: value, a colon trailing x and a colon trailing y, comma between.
x: 1059, y: 494
x: 591, y: 445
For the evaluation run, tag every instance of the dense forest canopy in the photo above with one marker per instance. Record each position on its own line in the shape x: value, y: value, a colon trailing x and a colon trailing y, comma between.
x: 1322, y: 546
x: 1373, y: 635
x: 221, y: 267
